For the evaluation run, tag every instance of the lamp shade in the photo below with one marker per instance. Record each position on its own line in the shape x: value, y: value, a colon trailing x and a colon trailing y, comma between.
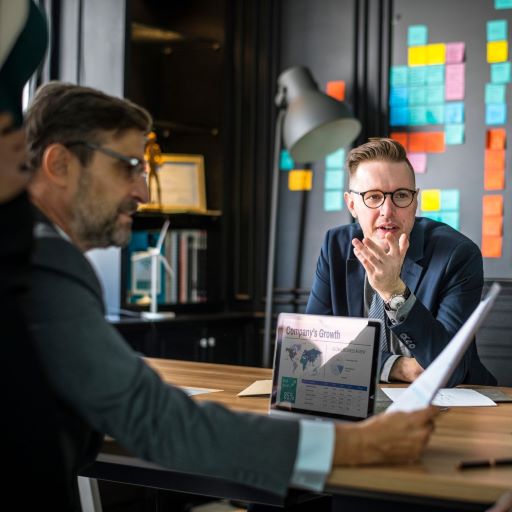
x: 315, y: 124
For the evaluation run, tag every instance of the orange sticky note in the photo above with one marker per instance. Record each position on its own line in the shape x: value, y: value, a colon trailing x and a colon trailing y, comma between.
x: 496, y: 138
x: 492, y: 205
x: 494, y: 160
x: 336, y: 89
x: 492, y: 225
x: 300, y: 179
x: 401, y: 137
x: 418, y: 142
x: 494, y: 179
x: 492, y: 246
x: 435, y: 142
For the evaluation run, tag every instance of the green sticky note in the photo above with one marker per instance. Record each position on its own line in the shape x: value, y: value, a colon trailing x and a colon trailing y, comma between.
x: 503, y: 4
x: 435, y: 75
x: 417, y: 116
x: 495, y: 93
x: 450, y: 218
x: 286, y: 162
x: 454, y: 134
x: 334, y: 179
x: 450, y: 199
x: 417, y: 95
x: 435, y: 94
x: 500, y: 73
x: 435, y: 114
x: 417, y: 75
x: 335, y: 160
x: 417, y: 35
x: 497, y: 30
x: 333, y: 200
x: 398, y: 75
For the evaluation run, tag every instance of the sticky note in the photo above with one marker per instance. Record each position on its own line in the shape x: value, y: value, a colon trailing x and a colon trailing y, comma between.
x: 495, y: 113
x: 450, y: 218
x: 418, y: 142
x: 497, y: 51
x: 336, y: 89
x: 286, y: 162
x: 454, y: 112
x: 398, y: 75
x: 455, y: 82
x: 494, y: 159
x: 500, y: 73
x: 492, y: 246
x: 497, y: 30
x: 418, y: 75
x: 417, y: 35
x: 455, y: 52
x: 450, y: 199
x: 398, y: 96
x: 401, y: 137
x: 435, y: 75
x: 436, y: 53
x: 399, y: 116
x: 333, y: 200
x: 503, y: 4
x: 417, y: 116
x: 495, y: 93
x: 418, y: 162
x: 435, y: 94
x: 494, y: 179
x: 435, y: 142
x: 492, y: 205
x: 430, y: 200
x: 454, y: 134
x: 432, y: 215
x: 492, y: 225
x: 496, y: 138
x: 300, y: 179
x: 417, y: 56
x: 417, y: 95
x: 335, y: 160
x: 435, y: 114
x: 334, y: 179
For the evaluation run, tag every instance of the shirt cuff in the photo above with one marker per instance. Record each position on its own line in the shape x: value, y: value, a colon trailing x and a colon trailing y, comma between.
x: 397, y: 317
x: 314, y: 455
x: 386, y: 368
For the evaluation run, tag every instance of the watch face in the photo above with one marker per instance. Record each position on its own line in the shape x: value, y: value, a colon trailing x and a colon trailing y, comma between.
x: 396, y: 302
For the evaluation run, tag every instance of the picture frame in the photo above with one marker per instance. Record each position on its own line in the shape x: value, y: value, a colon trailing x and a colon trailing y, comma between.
x: 182, y: 184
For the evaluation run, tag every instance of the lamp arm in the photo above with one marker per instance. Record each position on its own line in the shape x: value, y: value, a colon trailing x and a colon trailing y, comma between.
x: 272, y: 239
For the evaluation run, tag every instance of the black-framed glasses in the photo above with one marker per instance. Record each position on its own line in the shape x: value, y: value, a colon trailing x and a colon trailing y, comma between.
x: 135, y: 166
x: 402, y: 197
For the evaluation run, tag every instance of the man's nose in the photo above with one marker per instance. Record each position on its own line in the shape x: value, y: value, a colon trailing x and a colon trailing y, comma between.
x: 387, y: 206
x: 140, y: 190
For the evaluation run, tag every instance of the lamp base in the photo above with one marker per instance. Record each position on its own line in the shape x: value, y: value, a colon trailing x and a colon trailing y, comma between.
x: 163, y: 315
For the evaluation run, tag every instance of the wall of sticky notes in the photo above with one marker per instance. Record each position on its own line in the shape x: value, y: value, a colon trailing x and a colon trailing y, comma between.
x: 449, y: 92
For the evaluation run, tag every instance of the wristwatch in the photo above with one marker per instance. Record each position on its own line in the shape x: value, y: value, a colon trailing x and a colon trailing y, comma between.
x: 397, y: 300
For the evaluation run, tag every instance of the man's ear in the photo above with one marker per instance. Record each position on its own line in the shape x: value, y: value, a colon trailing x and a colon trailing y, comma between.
x: 57, y: 164
x: 349, y: 201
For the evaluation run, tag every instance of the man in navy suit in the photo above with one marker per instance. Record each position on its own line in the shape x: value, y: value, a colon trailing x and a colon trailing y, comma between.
x: 422, y: 277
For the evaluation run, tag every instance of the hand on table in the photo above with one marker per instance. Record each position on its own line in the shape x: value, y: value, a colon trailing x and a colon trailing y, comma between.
x: 405, y: 369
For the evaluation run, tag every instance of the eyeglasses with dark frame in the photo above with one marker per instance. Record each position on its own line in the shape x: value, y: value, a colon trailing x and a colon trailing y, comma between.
x: 136, y: 166
x: 401, y: 197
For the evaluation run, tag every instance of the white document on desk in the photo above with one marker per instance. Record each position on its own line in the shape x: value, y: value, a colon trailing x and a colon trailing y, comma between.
x: 198, y: 391
x: 446, y: 397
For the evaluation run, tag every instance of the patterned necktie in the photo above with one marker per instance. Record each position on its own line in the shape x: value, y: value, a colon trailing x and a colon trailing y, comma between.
x: 377, y: 311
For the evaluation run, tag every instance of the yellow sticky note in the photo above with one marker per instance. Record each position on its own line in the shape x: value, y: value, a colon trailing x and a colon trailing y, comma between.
x: 436, y: 53
x: 497, y: 51
x: 417, y: 55
x: 431, y: 200
x: 300, y: 179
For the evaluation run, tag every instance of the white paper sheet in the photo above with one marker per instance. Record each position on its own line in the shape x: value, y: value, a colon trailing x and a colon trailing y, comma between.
x: 257, y: 388
x: 446, y: 397
x: 198, y: 391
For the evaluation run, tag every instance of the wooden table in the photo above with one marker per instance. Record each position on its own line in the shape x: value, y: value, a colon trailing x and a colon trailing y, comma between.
x: 461, y: 433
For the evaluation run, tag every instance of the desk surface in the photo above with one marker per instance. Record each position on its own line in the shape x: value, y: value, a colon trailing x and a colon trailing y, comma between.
x: 461, y: 433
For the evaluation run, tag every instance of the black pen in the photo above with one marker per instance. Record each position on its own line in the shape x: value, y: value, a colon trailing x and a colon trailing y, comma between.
x: 485, y: 463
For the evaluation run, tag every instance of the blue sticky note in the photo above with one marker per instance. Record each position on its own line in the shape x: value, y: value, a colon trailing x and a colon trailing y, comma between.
x: 435, y: 114
x: 417, y: 95
x: 503, y: 4
x: 417, y: 35
x: 398, y: 96
x: 435, y: 94
x: 399, y: 116
x: 335, y: 160
x: 495, y: 113
x: 417, y: 75
x: 454, y: 134
x: 333, y: 201
x: 450, y: 218
x: 286, y: 162
x: 417, y: 116
x: 495, y: 93
x: 497, y: 30
x: 334, y: 179
x: 450, y: 199
x: 398, y: 75
x: 432, y: 215
x: 454, y: 112
x: 500, y: 73
x: 435, y: 75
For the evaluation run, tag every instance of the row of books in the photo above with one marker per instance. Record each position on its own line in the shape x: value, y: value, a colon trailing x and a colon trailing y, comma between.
x: 184, y: 282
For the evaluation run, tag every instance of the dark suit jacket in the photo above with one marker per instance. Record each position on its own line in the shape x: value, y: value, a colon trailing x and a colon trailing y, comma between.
x: 444, y: 270
x: 108, y: 389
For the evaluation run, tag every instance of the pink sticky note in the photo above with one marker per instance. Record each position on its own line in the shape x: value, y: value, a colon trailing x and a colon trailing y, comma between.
x: 418, y: 161
x: 455, y: 53
x: 455, y: 83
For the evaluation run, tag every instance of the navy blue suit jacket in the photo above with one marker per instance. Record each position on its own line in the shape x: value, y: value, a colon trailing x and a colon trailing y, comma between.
x: 443, y: 269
